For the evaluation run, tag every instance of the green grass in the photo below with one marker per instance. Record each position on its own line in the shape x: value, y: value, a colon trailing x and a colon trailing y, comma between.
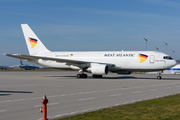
x: 166, y: 108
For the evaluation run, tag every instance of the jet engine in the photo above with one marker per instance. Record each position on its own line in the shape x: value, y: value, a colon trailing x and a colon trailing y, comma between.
x: 98, y: 69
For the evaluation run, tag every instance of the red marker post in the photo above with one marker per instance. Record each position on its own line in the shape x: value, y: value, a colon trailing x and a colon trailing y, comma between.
x: 44, y: 108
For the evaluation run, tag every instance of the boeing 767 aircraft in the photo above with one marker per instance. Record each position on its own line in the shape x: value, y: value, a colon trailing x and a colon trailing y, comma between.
x: 97, y: 63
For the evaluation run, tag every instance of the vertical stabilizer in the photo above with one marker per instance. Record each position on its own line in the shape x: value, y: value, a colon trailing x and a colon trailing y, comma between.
x: 21, y: 62
x: 35, y: 46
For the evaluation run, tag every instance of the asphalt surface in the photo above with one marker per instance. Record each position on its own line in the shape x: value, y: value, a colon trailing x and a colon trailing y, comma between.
x: 21, y: 92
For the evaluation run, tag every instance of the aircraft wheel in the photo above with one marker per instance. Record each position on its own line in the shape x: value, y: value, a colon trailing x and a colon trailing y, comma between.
x: 158, y: 77
x: 78, y: 75
x: 82, y: 76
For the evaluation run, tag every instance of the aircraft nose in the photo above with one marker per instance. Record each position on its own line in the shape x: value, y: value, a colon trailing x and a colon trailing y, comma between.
x: 174, y: 63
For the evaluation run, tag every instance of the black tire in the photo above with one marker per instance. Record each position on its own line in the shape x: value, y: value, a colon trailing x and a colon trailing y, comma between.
x: 82, y: 76
x: 78, y: 75
x: 158, y: 77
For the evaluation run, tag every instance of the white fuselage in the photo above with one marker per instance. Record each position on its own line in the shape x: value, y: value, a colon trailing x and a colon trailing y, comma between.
x: 122, y: 60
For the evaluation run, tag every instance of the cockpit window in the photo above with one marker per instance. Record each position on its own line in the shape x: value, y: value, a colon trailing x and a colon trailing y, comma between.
x: 168, y: 58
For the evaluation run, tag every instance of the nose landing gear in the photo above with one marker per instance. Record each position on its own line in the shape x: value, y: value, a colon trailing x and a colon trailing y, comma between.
x: 159, y: 77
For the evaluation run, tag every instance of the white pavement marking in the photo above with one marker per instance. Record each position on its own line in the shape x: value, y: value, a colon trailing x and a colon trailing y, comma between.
x: 115, y: 95
x: 136, y: 92
x: 52, y: 103
x: 153, y: 89
x: 86, y: 99
x: 3, y: 110
x: 38, y: 105
x: 17, y: 100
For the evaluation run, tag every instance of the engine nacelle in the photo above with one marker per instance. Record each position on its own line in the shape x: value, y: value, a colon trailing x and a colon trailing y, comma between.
x: 98, y: 69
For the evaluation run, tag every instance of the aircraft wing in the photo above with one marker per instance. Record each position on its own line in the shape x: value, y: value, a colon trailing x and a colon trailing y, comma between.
x: 68, y: 61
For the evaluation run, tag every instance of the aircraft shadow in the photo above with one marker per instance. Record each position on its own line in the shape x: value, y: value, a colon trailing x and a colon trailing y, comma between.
x: 1, y: 91
x: 154, y: 78
x: 62, y: 76
x: 15, y: 92
x: 119, y: 77
x: 4, y: 94
x: 170, y: 79
x: 90, y: 77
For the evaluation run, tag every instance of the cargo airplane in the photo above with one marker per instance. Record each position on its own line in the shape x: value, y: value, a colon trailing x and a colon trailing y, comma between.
x: 97, y: 63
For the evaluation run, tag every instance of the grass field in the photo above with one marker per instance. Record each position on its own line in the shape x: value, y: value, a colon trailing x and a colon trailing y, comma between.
x: 166, y: 108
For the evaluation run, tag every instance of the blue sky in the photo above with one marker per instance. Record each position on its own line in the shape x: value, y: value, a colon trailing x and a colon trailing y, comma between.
x: 90, y: 25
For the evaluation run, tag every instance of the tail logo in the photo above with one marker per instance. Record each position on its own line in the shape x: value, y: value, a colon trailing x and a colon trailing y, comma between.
x: 33, y: 42
x: 142, y: 57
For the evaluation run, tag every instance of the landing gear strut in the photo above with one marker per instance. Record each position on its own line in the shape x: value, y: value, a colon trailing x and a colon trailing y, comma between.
x: 159, y: 77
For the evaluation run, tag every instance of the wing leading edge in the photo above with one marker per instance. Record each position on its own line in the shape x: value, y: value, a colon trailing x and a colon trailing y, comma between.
x: 68, y: 61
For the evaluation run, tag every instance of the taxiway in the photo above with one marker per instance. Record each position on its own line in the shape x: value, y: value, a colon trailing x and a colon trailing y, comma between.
x: 21, y: 92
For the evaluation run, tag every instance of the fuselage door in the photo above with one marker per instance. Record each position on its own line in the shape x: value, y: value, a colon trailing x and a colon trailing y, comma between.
x: 152, y: 59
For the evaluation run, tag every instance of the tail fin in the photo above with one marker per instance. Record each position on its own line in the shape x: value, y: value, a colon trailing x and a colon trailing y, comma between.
x: 21, y: 62
x: 35, y: 46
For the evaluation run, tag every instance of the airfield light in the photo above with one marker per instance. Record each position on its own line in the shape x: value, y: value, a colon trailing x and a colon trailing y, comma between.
x: 166, y: 46
x: 173, y: 54
x: 146, y: 42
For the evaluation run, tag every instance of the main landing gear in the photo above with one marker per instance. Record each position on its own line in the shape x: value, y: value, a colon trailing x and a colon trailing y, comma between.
x: 81, y: 74
x: 159, y: 77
